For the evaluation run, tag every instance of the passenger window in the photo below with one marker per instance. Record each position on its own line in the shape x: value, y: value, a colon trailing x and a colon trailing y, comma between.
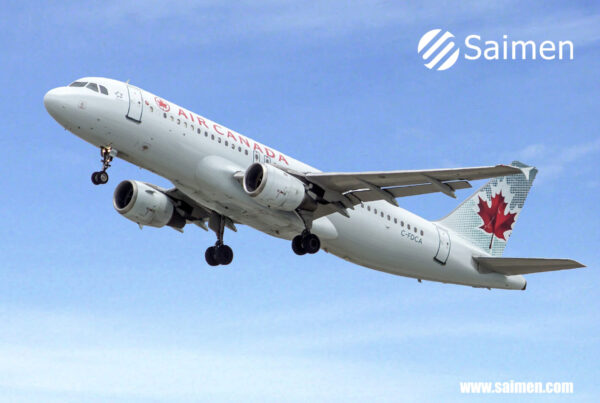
x: 416, y: 230
x: 199, y: 131
x: 78, y: 84
x: 212, y: 136
x: 395, y: 221
x: 240, y: 149
x: 246, y: 152
x: 178, y: 121
x: 105, y: 91
x: 408, y: 226
x: 402, y: 223
x: 164, y: 115
x: 184, y: 124
x: 368, y: 208
x: 232, y: 146
x: 219, y: 140
x: 389, y: 218
x: 172, y: 118
x: 92, y: 86
x: 382, y: 214
x: 226, y: 143
x: 192, y: 127
x: 205, y: 134
x: 151, y: 108
x: 422, y: 233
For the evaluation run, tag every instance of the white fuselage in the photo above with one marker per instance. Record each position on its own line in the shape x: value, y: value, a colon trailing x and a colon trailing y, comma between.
x: 201, y: 157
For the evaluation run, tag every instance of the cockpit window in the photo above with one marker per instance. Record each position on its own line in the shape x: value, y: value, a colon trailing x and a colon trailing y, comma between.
x: 92, y: 86
x: 103, y: 90
x: 78, y: 84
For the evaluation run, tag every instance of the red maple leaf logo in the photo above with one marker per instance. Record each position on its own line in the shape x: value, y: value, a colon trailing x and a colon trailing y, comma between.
x: 162, y: 104
x: 495, y: 221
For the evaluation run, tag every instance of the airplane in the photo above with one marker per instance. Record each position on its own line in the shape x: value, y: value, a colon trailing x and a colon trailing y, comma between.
x: 223, y: 179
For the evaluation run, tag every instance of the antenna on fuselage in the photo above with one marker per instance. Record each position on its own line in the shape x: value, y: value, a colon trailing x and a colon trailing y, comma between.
x: 127, y: 82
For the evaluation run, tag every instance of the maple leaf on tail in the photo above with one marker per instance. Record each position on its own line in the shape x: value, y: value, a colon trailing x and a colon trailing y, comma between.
x: 495, y: 221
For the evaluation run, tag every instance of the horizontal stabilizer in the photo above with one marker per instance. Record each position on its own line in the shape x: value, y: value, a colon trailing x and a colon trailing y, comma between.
x: 518, y: 265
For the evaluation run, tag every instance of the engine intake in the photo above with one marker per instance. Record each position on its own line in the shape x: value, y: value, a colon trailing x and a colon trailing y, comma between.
x: 274, y: 188
x: 145, y: 205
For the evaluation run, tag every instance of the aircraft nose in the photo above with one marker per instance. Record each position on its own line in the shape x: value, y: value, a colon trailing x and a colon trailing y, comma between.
x: 52, y: 100
x: 56, y: 102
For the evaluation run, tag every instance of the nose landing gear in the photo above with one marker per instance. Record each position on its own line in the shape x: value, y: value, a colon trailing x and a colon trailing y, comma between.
x: 306, y: 243
x: 101, y: 177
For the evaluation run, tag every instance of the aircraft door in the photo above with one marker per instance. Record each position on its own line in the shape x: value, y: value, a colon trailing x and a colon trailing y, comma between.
x: 444, y: 246
x: 135, y: 104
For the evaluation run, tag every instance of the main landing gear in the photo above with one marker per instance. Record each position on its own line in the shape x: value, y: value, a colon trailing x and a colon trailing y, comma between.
x: 101, y: 177
x: 306, y: 243
x: 220, y: 254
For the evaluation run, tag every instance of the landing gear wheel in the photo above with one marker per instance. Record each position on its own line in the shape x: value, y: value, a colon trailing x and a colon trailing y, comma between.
x: 224, y: 254
x: 99, y: 178
x: 311, y: 243
x: 102, y: 177
x: 297, y: 245
x: 306, y: 243
x: 209, y: 255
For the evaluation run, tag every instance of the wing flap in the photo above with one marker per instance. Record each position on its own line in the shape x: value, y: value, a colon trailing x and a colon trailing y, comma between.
x: 513, y: 265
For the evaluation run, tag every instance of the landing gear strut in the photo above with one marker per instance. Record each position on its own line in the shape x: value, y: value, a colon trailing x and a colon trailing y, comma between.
x: 101, y: 177
x: 220, y: 254
x: 306, y: 243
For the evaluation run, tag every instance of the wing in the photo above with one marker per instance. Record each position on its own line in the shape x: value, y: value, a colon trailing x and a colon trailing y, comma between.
x: 342, y: 190
x: 514, y: 265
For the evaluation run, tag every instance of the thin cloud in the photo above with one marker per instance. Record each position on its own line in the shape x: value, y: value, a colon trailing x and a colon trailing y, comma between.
x: 552, y: 161
x: 217, y: 22
x: 103, y: 360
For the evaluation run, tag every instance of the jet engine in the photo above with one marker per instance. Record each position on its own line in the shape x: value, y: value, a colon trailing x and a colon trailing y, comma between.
x: 274, y: 188
x: 145, y: 205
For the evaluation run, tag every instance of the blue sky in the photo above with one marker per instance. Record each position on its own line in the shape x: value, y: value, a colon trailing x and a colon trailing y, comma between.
x: 93, y: 309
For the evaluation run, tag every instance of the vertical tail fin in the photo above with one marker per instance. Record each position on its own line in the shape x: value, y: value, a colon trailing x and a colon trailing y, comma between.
x: 487, y: 218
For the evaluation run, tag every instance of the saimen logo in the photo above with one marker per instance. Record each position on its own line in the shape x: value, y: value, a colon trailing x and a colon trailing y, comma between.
x: 440, y: 52
x: 434, y: 56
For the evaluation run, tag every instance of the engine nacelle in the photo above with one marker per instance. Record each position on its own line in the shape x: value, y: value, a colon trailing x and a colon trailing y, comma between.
x: 145, y: 205
x: 274, y: 188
